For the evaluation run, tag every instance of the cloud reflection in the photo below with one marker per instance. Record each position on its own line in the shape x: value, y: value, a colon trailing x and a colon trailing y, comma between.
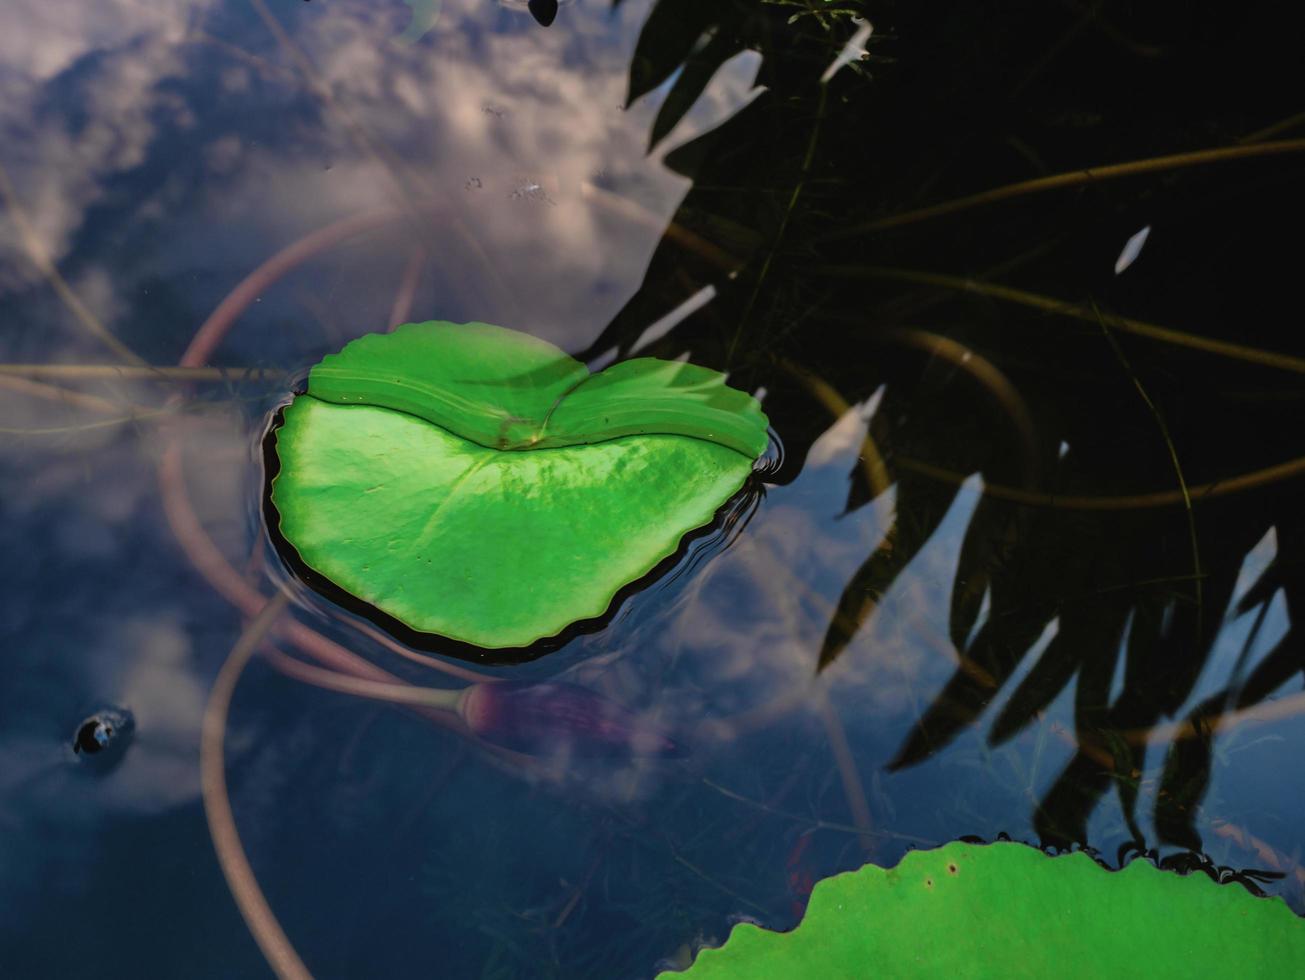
x: 159, y: 152
x: 113, y: 125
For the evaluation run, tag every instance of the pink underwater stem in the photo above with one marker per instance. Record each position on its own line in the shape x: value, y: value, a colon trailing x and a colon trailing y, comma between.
x: 194, y: 540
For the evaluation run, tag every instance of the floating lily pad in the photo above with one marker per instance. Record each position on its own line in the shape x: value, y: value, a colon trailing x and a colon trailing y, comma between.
x: 477, y: 483
x: 1008, y: 910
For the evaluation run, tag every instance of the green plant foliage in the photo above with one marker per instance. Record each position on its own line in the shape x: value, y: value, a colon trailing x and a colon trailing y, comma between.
x: 1008, y: 910
x: 477, y: 483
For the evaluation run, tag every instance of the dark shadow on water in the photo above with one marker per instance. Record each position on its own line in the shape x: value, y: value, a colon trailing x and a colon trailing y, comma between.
x: 844, y: 257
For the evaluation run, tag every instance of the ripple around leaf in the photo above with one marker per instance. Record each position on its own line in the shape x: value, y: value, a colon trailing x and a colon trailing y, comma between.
x: 479, y: 484
x: 1009, y: 910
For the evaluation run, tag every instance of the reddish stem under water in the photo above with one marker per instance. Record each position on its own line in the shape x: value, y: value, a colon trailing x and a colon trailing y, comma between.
x: 194, y: 540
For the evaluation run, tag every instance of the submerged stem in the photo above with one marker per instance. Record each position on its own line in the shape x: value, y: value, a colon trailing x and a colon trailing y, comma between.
x: 1128, y: 501
x: 1152, y: 331
x: 1198, y: 574
x: 411, y: 695
x: 1074, y: 178
x: 253, y: 906
x: 38, y: 256
x: 807, y: 161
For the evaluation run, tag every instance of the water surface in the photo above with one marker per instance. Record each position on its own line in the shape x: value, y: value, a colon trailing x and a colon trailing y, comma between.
x: 1025, y: 558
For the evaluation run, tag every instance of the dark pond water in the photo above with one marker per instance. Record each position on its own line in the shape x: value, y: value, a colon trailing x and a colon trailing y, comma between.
x: 1028, y: 558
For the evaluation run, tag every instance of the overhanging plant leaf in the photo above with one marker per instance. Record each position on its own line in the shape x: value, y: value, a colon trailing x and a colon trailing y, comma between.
x: 1008, y: 910
x: 477, y: 483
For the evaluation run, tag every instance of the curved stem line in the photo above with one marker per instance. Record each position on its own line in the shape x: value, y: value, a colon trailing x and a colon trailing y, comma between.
x: 232, y: 586
x: 409, y: 695
x: 986, y: 374
x: 407, y: 288
x: 199, y: 547
x: 51, y: 430
x: 1073, y: 178
x: 37, y: 255
x: 213, y: 329
x: 1152, y: 331
x: 1290, y: 706
x: 848, y: 771
x: 69, y: 396
x: 253, y: 906
x: 805, y: 172
x: 93, y: 372
x: 1135, y: 501
x: 1198, y: 575
x: 872, y: 460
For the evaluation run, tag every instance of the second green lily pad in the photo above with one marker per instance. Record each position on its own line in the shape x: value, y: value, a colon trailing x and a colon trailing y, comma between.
x: 1007, y: 910
x: 476, y: 483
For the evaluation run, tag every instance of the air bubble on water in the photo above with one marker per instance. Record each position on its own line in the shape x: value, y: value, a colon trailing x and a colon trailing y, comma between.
x: 106, y: 732
x: 533, y: 191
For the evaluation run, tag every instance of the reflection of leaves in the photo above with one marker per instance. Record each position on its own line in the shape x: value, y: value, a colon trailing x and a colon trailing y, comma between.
x: 698, y: 70
x: 694, y: 38
x: 687, y: 36
x: 1187, y: 772
x: 921, y: 507
x: 954, y: 103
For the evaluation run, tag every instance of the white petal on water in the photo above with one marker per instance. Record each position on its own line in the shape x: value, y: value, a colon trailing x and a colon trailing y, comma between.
x: 659, y: 328
x: 853, y: 50
x: 1132, y: 249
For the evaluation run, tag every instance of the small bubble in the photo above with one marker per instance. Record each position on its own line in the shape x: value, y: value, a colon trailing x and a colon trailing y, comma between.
x: 473, y: 183
x: 105, y: 733
x: 532, y: 190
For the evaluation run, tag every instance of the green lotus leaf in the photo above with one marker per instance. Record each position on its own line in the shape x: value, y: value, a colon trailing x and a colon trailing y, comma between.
x: 477, y: 483
x: 1008, y: 910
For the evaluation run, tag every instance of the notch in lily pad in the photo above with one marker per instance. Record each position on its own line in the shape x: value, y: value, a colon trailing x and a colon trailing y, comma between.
x: 1009, y: 910
x: 478, y: 484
